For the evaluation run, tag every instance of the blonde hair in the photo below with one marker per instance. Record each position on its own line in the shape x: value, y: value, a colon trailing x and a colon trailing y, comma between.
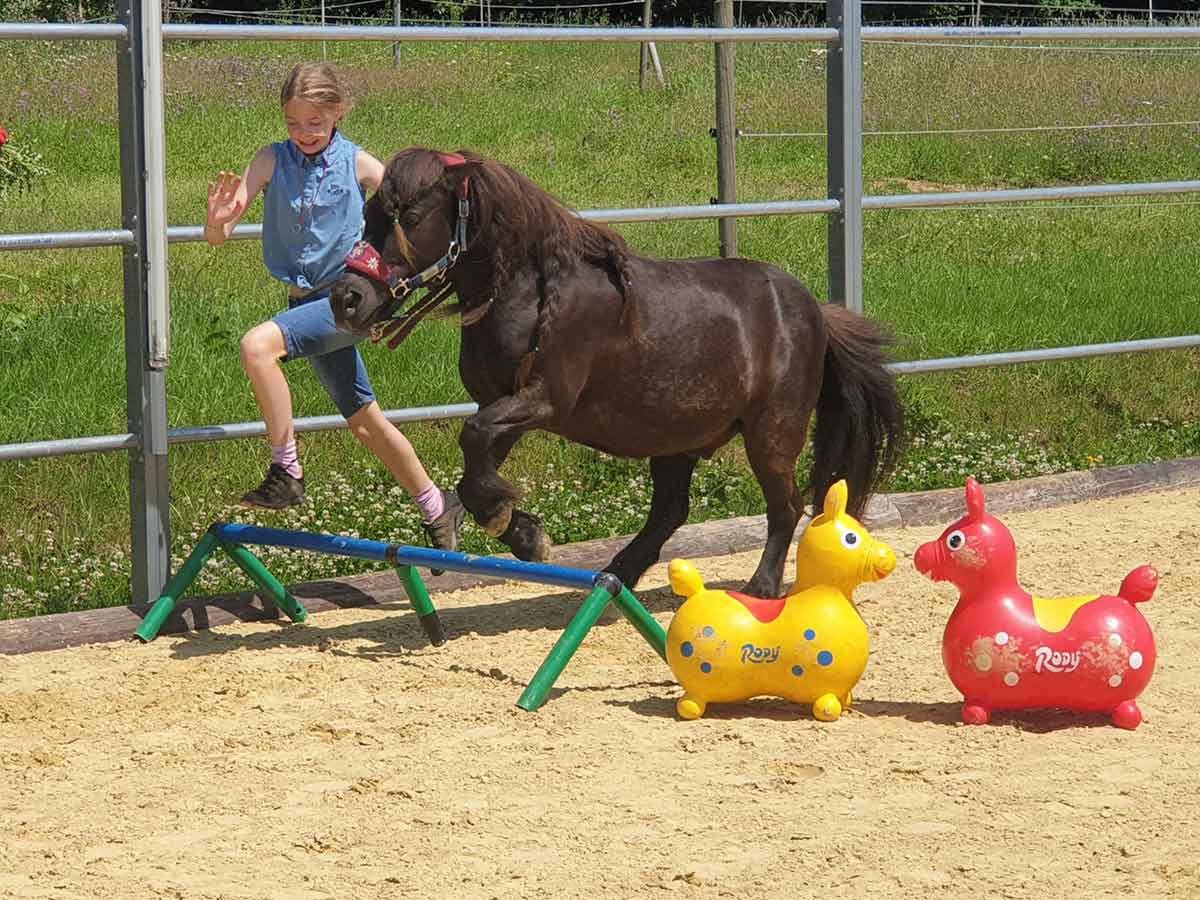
x: 316, y: 83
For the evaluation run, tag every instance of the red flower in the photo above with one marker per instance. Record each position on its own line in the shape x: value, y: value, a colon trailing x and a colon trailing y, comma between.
x: 3, y: 136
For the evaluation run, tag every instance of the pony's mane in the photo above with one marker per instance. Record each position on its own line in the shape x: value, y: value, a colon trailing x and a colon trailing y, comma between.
x: 532, y: 216
x: 518, y: 220
x: 520, y: 224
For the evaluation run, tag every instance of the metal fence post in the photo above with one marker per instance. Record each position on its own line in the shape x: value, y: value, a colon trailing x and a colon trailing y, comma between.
x: 843, y: 93
x: 143, y: 211
x: 726, y: 131
x: 396, y: 16
x: 644, y: 66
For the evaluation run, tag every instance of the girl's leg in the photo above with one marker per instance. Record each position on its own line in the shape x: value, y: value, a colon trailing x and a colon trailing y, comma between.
x: 344, y: 377
x: 262, y: 348
x: 387, y: 442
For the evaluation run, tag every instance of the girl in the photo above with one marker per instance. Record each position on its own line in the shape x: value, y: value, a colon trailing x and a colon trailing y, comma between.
x: 314, y: 185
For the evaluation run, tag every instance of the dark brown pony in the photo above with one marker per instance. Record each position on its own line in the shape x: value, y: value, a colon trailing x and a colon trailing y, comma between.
x: 567, y: 330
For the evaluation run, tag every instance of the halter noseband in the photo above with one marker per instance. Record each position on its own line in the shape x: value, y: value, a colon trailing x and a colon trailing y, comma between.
x: 366, y: 261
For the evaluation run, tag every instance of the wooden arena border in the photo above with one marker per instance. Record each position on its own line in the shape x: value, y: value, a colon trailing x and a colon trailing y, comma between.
x: 714, y: 538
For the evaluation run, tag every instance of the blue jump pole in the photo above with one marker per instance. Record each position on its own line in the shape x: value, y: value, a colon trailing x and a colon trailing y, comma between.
x: 404, y: 555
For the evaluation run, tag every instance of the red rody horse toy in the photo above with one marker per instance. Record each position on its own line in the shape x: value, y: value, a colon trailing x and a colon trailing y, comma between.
x: 1006, y: 649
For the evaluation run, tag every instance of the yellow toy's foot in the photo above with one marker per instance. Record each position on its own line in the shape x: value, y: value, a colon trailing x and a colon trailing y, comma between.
x: 690, y: 708
x: 827, y: 708
x: 846, y: 701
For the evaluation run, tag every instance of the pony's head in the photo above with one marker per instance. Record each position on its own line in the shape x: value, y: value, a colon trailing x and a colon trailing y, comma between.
x: 974, y: 552
x: 836, y: 550
x: 415, y: 228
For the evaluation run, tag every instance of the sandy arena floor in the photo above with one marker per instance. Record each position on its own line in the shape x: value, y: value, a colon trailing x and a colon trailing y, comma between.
x: 344, y: 758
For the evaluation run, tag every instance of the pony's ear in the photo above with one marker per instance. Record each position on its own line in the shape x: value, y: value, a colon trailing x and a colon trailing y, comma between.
x: 974, y: 499
x: 459, y: 168
x: 835, y: 499
x: 376, y: 222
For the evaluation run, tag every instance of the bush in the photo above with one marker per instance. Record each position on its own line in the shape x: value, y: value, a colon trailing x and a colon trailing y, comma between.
x: 18, y: 166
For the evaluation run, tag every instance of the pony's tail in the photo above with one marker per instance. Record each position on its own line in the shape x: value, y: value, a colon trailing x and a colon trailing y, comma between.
x: 860, y: 420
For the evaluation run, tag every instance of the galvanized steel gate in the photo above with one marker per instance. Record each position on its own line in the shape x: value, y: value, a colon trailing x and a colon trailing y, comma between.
x: 144, y: 234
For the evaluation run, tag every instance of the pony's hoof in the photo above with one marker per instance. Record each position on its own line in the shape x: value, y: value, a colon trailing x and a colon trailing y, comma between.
x: 690, y: 708
x: 1127, y: 715
x: 499, y: 523
x: 827, y: 708
x: 526, y: 537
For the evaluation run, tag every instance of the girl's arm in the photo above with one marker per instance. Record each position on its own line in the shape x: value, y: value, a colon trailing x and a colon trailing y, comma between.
x: 369, y: 170
x: 230, y: 196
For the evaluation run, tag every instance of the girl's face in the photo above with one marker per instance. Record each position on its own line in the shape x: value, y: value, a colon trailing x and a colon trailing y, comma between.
x: 309, y: 126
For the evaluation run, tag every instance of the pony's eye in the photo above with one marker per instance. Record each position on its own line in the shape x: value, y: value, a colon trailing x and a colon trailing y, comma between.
x: 406, y: 216
x: 955, y: 540
x: 850, y: 540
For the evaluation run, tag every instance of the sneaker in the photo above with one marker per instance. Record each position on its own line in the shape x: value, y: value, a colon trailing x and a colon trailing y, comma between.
x: 279, y: 490
x: 443, y: 531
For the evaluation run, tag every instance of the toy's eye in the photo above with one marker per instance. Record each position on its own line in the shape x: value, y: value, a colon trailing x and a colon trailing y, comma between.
x: 955, y: 540
x: 850, y: 539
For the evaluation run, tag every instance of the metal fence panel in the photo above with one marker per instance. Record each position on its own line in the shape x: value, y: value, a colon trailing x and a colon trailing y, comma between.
x: 145, y: 235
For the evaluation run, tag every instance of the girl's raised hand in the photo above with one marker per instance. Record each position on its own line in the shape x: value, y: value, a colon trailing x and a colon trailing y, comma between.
x: 223, y: 203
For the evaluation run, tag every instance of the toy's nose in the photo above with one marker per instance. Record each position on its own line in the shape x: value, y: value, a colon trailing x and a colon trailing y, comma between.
x: 925, y: 558
x: 883, y: 561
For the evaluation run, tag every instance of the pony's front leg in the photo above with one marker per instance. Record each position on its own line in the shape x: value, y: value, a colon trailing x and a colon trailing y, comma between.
x: 486, y: 439
x: 669, y: 504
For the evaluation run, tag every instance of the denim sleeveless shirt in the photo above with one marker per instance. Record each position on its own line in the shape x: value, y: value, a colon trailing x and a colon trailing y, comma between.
x: 313, y: 213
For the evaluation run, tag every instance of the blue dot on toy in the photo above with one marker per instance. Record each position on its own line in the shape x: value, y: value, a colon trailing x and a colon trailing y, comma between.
x: 705, y: 667
x: 809, y: 634
x: 708, y: 631
x: 686, y: 648
x: 797, y: 671
x: 824, y: 657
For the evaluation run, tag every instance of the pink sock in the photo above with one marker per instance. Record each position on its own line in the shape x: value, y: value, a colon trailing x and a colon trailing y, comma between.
x: 285, y: 455
x: 431, y: 503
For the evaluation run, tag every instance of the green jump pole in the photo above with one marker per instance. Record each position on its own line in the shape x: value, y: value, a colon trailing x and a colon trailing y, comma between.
x: 418, y: 596
x: 647, y: 626
x: 534, y: 696
x: 180, y: 581
x: 252, y: 566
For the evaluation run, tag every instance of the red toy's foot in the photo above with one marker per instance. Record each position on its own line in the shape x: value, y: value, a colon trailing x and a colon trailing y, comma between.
x: 974, y: 714
x: 1127, y: 715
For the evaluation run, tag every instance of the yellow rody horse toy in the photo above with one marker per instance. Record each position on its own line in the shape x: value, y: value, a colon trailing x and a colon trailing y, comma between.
x: 808, y: 647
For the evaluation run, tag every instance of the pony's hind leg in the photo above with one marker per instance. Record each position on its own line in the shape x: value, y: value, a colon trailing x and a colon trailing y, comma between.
x: 772, y: 455
x: 672, y: 477
x: 486, y: 440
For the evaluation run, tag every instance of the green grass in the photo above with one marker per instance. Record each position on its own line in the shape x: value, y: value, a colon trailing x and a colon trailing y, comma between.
x: 946, y: 282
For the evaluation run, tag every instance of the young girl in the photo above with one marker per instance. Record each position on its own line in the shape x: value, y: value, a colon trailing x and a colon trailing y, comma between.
x: 314, y: 187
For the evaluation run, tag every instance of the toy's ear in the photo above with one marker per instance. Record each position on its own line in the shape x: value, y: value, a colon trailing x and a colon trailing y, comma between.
x: 974, y: 499
x: 835, y: 499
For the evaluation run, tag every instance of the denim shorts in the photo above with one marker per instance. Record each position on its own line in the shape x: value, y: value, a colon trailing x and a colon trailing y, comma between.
x: 309, y: 332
